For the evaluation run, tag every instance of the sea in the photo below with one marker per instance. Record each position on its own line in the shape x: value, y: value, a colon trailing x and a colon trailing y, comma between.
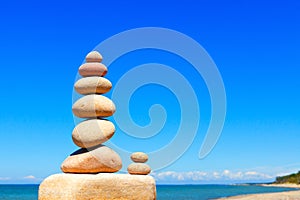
x: 164, y: 192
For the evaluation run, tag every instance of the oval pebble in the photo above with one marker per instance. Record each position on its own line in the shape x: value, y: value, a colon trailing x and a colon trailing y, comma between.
x: 96, y: 160
x: 93, y: 105
x: 138, y: 169
x: 93, y: 85
x: 92, y: 132
x: 92, y: 69
x: 139, y: 157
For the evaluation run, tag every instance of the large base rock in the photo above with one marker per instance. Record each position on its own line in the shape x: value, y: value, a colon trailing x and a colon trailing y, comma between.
x: 97, y: 186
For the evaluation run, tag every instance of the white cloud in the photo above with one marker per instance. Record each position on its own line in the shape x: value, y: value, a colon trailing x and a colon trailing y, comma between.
x: 4, y: 178
x: 30, y: 177
x: 226, y: 175
x: 251, y: 173
x: 278, y: 170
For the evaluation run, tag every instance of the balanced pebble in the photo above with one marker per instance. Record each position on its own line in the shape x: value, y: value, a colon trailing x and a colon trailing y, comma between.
x: 138, y: 169
x: 92, y: 69
x: 91, y: 106
x: 100, y: 159
x: 92, y: 132
x: 94, y: 56
x: 139, y: 157
x: 92, y: 85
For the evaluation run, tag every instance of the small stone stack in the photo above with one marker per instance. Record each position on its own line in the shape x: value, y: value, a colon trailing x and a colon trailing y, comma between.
x: 139, y: 167
x: 93, y: 157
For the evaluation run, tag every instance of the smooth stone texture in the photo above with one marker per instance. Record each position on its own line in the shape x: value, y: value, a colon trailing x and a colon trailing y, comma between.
x: 139, y: 169
x: 93, y: 106
x: 139, y: 157
x: 92, y: 85
x: 96, y: 160
x: 97, y: 187
x: 92, y: 132
x: 93, y: 56
x: 92, y: 69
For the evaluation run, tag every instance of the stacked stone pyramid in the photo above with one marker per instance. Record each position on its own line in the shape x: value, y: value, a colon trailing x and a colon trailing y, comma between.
x: 85, y: 171
x: 93, y: 157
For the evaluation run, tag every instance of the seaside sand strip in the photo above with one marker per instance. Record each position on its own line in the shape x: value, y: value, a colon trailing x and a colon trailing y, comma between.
x: 282, y: 185
x: 291, y: 195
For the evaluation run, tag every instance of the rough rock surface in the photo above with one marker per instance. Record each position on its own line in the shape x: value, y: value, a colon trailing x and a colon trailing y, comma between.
x: 97, y: 187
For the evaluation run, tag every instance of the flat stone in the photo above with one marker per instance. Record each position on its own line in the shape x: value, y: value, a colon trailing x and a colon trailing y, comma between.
x: 92, y: 69
x: 93, y: 56
x: 93, y: 105
x: 102, y: 186
x: 92, y: 132
x: 139, y: 169
x: 92, y: 85
x: 94, y: 160
x: 139, y: 157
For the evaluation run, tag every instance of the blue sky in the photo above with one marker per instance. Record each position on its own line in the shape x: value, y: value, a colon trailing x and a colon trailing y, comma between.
x: 254, y: 44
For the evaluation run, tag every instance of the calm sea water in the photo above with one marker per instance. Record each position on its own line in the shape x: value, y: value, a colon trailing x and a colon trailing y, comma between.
x: 164, y: 192
x: 18, y: 192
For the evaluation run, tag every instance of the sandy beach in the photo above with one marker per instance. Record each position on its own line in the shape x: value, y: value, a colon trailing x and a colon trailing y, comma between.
x: 281, y: 185
x: 292, y: 195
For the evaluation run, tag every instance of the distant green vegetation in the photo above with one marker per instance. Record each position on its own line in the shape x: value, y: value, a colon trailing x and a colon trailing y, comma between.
x: 292, y: 178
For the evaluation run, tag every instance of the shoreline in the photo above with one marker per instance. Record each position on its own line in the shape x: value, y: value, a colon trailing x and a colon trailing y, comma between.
x: 284, y: 185
x: 295, y: 195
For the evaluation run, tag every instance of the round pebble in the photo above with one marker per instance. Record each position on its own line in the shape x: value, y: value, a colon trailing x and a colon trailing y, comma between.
x: 92, y: 132
x: 93, y: 105
x: 92, y: 69
x: 139, y: 157
x: 93, y: 56
x: 138, y: 169
x: 93, y: 85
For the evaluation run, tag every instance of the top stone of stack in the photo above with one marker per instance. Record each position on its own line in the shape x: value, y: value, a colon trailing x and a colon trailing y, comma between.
x: 93, y: 56
x: 93, y: 65
x: 139, y: 157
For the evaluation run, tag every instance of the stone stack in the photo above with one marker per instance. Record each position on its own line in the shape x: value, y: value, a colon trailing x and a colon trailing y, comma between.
x: 88, y: 171
x: 139, y: 167
x: 93, y: 157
